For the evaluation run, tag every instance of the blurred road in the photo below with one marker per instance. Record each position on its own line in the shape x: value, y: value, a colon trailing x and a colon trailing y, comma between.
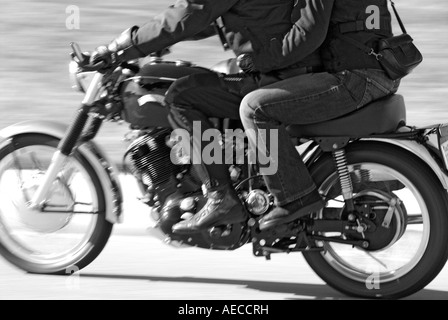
x: 34, y: 85
x: 136, y: 266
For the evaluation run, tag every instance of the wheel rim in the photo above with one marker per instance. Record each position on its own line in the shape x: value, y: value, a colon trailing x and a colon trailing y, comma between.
x: 50, y: 240
x: 399, y: 258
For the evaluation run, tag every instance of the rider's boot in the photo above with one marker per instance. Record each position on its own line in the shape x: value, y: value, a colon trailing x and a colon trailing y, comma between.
x: 300, y: 208
x: 223, y: 207
x: 223, y: 204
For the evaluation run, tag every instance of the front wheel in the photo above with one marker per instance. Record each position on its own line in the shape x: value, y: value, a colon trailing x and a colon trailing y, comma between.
x: 407, y: 253
x: 71, y: 231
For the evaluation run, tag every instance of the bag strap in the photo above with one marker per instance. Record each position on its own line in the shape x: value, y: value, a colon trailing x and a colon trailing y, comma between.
x: 400, y: 22
x: 366, y: 49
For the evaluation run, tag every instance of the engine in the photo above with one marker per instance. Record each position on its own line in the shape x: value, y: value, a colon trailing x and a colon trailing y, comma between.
x: 173, y: 189
x: 162, y: 174
x: 151, y: 164
x: 151, y: 158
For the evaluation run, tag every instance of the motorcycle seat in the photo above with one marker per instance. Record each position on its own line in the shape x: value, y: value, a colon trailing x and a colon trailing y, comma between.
x: 385, y: 115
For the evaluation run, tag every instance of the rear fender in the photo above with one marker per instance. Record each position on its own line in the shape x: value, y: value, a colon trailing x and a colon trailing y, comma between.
x: 90, y: 151
x: 422, y: 152
x: 310, y: 156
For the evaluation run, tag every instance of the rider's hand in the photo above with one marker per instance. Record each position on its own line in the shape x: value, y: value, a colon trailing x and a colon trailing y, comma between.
x: 103, y: 57
x: 246, y: 63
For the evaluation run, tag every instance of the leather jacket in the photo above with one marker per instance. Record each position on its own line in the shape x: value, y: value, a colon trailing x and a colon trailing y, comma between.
x: 253, y: 24
x: 313, y: 39
x: 300, y: 46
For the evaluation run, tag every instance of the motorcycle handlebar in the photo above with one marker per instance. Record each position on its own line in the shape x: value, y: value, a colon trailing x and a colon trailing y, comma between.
x: 84, y: 61
x: 77, y: 51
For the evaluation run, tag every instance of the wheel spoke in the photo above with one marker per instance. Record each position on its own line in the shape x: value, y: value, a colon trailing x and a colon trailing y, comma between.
x: 37, y: 164
x: 48, y: 240
x: 402, y: 243
x: 373, y: 257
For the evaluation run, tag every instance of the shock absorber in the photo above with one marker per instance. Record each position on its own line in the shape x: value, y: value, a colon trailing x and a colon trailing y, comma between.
x: 344, y: 178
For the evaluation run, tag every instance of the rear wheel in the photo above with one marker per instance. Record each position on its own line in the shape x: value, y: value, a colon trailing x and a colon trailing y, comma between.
x: 397, y: 188
x: 72, y: 229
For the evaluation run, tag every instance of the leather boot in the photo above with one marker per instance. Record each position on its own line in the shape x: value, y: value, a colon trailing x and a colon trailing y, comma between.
x: 295, y: 210
x: 223, y: 207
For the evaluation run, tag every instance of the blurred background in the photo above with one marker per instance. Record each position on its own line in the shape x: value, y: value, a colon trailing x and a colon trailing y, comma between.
x: 34, y: 84
x: 34, y: 57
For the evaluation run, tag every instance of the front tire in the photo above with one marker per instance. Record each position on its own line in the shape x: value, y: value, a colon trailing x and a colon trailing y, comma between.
x: 63, y: 241
x: 424, y: 239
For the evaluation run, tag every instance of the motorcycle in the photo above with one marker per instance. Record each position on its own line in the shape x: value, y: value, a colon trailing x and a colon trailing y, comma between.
x: 382, y: 233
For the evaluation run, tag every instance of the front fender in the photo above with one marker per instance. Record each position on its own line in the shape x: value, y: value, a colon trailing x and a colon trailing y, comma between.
x: 90, y: 151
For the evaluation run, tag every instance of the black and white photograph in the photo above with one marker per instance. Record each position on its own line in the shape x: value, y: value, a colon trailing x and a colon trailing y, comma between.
x: 223, y: 155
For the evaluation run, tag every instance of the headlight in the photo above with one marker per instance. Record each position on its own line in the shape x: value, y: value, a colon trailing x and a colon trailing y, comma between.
x: 73, y: 70
x: 80, y: 81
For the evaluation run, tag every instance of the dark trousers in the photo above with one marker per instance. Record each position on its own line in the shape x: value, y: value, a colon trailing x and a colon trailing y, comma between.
x: 199, y: 97
x: 302, y: 99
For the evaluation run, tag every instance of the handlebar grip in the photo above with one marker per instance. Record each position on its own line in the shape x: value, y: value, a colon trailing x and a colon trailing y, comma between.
x: 77, y: 51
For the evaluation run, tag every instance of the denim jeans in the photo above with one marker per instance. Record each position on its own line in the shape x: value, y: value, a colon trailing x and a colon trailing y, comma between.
x: 305, y: 99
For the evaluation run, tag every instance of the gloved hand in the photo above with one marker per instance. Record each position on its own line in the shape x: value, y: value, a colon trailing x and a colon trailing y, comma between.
x: 103, y: 57
x: 246, y: 63
x: 121, y: 49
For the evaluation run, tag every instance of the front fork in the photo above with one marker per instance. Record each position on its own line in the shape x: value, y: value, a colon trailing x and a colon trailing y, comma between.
x: 68, y: 143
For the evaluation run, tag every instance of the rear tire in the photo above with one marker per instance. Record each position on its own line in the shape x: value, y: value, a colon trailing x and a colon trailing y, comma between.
x: 84, y: 253
x: 435, y: 199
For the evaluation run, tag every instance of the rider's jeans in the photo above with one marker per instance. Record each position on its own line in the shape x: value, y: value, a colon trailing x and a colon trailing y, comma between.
x: 304, y: 99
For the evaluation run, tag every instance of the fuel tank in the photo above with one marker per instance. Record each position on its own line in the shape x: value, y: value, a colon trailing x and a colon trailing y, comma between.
x: 143, y: 96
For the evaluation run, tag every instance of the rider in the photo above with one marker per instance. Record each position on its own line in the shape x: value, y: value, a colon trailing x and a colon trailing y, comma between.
x: 301, y: 93
x: 250, y: 25
x: 351, y: 80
